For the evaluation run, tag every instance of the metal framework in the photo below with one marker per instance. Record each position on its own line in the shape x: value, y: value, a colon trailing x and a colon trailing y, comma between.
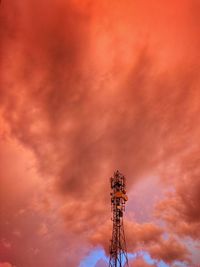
x: 118, y: 253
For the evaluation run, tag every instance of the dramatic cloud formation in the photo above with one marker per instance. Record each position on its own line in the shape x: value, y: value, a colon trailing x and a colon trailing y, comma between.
x: 180, y: 209
x: 147, y: 237
x: 138, y: 235
x: 87, y: 87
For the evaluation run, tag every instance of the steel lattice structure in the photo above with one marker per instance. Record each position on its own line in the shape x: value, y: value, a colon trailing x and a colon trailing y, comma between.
x: 118, y: 253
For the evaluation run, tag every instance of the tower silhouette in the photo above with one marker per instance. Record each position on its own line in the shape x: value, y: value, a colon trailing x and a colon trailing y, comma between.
x: 118, y: 253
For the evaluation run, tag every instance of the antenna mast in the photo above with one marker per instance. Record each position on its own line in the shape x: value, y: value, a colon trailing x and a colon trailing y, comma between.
x: 118, y: 253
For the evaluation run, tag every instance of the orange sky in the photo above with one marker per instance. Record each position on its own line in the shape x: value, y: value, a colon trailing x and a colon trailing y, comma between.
x: 88, y: 87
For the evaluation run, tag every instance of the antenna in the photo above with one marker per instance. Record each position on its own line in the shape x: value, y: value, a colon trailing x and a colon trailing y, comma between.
x: 118, y: 253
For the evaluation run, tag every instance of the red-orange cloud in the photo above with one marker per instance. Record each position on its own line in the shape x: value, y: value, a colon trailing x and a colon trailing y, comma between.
x: 87, y: 88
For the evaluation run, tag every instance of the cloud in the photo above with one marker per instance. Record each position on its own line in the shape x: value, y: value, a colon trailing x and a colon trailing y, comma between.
x: 141, y: 235
x: 180, y: 208
x: 169, y: 251
x: 85, y: 89
x: 43, y: 229
x: 147, y: 237
x: 139, y: 262
x: 101, y: 263
x: 6, y: 264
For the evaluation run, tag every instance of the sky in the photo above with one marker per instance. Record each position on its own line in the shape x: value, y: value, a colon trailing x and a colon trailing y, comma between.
x: 88, y: 87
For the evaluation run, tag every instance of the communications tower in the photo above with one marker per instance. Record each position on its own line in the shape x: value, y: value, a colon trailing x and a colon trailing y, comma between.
x: 118, y: 253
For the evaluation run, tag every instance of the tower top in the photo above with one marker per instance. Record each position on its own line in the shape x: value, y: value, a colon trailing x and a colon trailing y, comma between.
x: 118, y: 187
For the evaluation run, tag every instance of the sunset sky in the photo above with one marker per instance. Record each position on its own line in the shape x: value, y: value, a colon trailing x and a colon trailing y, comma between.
x: 88, y: 87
